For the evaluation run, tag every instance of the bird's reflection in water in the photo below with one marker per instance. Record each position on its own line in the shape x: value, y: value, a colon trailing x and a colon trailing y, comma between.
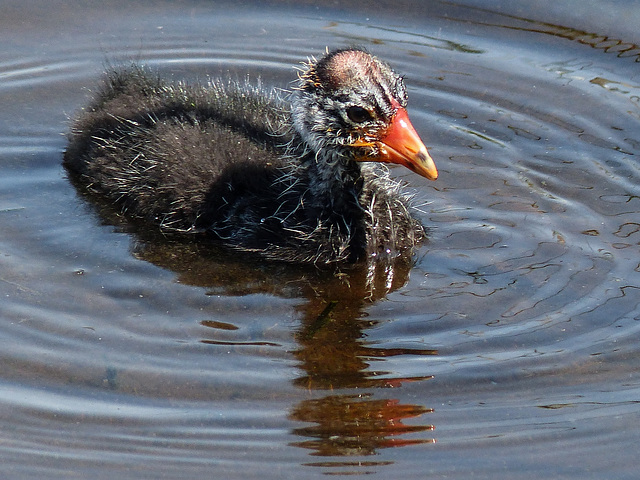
x: 359, y: 414
x: 335, y: 356
x: 348, y: 425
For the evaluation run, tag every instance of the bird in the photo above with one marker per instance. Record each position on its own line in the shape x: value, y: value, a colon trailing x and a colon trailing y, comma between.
x: 295, y: 175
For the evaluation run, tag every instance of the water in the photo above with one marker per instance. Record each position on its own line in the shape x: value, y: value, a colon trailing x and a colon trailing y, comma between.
x: 509, y: 350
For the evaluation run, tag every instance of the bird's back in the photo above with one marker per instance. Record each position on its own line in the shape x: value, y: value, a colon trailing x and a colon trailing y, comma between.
x: 163, y: 151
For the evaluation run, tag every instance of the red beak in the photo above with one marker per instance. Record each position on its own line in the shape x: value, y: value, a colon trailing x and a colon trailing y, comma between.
x: 401, y: 144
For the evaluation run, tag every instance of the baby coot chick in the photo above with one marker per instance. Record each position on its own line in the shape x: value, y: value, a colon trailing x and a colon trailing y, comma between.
x: 290, y: 178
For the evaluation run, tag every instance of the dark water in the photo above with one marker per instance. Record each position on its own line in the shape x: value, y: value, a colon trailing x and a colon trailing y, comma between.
x: 509, y: 350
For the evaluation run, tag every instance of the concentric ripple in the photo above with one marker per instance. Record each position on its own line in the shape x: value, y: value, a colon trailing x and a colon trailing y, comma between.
x: 513, y: 336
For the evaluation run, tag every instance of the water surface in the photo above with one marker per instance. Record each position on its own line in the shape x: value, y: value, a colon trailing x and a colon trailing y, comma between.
x: 508, y: 349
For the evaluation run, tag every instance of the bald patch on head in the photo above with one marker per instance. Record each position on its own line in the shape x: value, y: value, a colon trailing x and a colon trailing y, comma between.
x: 346, y: 68
x: 353, y: 77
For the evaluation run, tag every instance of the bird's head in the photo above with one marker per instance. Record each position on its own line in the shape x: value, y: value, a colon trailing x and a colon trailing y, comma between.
x: 351, y: 102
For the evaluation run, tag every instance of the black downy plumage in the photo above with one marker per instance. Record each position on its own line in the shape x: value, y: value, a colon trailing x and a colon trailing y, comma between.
x: 292, y: 178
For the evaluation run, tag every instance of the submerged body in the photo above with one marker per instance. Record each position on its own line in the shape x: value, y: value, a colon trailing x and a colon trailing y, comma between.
x: 289, y: 179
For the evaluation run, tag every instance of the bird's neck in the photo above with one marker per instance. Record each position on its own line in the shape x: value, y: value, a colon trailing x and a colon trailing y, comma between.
x: 334, y: 180
x: 335, y: 188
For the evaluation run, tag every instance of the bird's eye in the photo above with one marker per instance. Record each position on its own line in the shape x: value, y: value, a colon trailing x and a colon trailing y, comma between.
x: 358, y: 114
